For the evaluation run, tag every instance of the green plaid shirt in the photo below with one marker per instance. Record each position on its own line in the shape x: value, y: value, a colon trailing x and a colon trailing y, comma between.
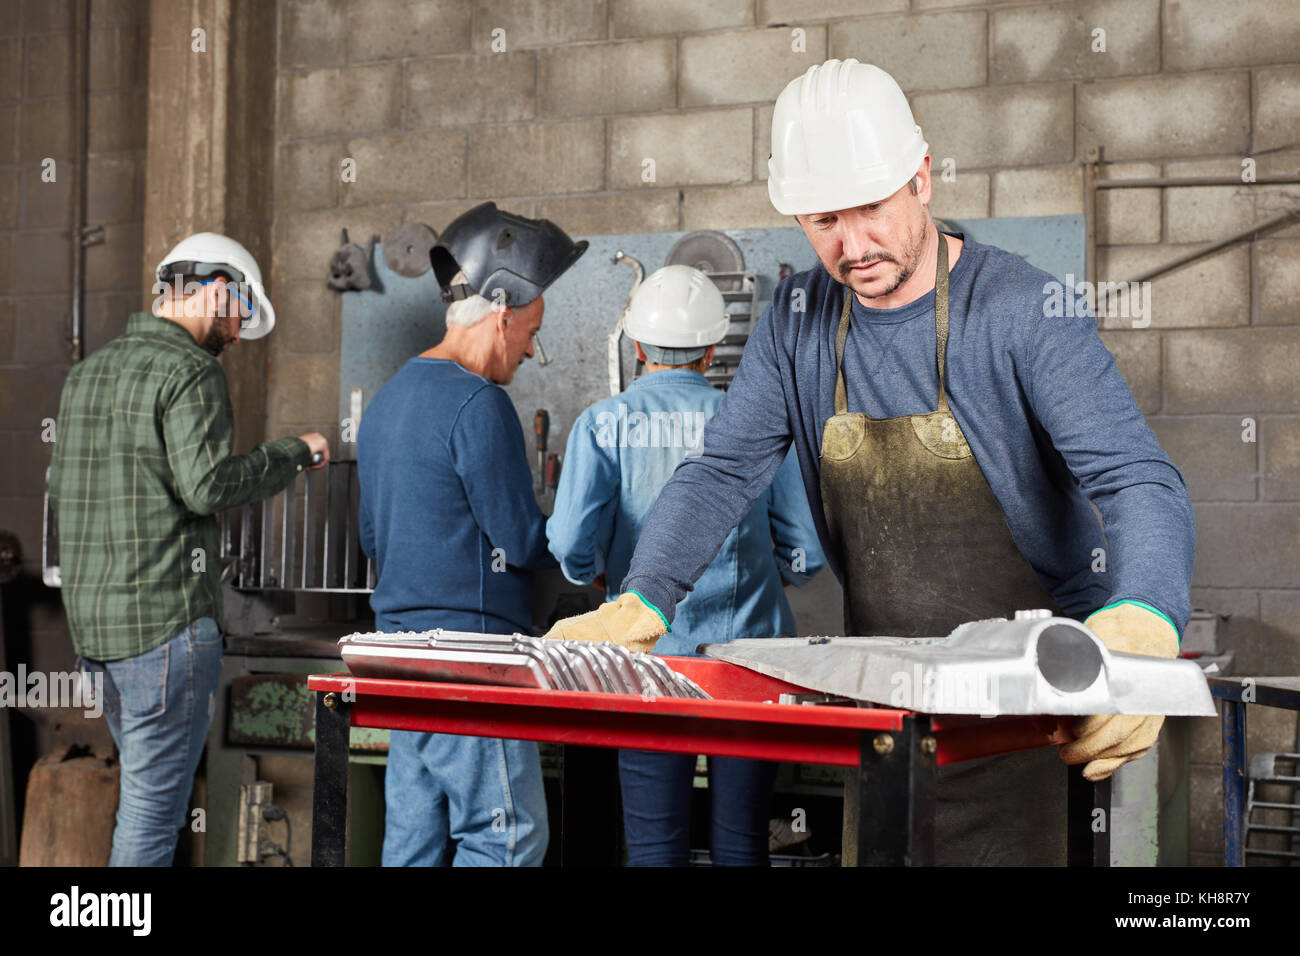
x: 141, y: 466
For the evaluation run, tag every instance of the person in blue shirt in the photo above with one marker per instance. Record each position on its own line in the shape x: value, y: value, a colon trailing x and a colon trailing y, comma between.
x: 620, y: 454
x: 447, y: 512
x: 959, y: 426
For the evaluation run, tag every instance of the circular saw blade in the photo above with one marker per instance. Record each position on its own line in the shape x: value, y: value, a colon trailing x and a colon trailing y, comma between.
x: 407, y: 252
x: 709, y: 251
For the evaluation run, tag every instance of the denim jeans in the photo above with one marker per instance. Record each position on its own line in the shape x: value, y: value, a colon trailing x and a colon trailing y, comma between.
x: 463, y: 801
x: 158, y: 706
x: 657, y: 789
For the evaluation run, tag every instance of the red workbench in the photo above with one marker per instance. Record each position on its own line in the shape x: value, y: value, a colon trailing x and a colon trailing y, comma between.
x: 896, y: 751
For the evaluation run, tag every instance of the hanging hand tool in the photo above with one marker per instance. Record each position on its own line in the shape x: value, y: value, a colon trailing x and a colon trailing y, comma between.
x: 541, y: 427
x: 552, y: 471
x: 614, y: 358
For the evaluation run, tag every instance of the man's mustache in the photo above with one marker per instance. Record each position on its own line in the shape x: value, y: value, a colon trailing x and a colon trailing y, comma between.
x: 846, y: 265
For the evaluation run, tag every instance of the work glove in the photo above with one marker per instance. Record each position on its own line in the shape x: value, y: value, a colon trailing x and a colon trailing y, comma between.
x: 631, y: 622
x: 1107, y: 741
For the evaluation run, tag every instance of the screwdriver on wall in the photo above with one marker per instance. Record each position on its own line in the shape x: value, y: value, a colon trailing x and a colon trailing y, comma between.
x: 541, y: 427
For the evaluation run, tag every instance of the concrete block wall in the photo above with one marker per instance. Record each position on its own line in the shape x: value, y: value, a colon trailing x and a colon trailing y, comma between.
x: 38, y: 143
x: 644, y: 115
x: 37, y: 123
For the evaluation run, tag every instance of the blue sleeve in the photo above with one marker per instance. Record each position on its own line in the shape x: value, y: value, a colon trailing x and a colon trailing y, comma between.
x: 1082, y: 400
x: 798, y: 553
x: 581, y: 526
x: 488, y: 452
x: 743, y: 446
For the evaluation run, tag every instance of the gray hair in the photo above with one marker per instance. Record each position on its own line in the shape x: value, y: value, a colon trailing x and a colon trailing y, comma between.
x: 468, y: 311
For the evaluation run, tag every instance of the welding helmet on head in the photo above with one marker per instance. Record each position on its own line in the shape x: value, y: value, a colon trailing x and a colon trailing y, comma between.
x: 507, y: 259
x: 676, y: 314
x: 204, y: 254
x: 842, y: 136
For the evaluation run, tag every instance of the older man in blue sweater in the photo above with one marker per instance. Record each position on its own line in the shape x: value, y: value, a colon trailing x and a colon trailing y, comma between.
x: 447, y: 511
x: 954, y: 427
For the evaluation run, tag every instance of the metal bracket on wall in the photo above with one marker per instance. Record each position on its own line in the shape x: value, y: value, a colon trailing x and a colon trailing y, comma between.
x: 1092, y: 183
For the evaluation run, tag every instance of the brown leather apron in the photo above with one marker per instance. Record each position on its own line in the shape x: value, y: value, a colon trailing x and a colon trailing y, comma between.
x: 924, y: 546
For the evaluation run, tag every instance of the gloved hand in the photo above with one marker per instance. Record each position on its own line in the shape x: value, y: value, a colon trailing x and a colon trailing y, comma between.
x: 1106, y: 741
x: 631, y: 622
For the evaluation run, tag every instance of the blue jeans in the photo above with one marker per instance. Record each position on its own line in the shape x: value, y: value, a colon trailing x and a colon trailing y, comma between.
x: 657, y: 790
x: 159, y: 705
x: 467, y: 801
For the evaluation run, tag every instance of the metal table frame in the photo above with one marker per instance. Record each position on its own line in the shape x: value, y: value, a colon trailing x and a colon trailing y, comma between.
x: 897, y: 753
x: 1281, y: 692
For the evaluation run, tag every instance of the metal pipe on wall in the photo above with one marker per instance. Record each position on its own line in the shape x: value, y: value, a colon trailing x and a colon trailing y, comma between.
x: 77, y: 338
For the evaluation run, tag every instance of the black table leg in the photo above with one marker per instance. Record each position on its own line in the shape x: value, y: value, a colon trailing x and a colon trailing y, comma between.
x: 1088, y: 832
x: 591, y: 815
x: 329, y: 804
x: 889, y: 802
x: 1234, y: 781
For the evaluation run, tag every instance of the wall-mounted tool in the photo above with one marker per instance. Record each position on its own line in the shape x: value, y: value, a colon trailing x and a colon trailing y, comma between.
x: 615, y: 337
x: 407, y: 252
x: 552, y: 471
x: 350, y: 266
x: 541, y: 428
x: 717, y: 254
x: 713, y: 252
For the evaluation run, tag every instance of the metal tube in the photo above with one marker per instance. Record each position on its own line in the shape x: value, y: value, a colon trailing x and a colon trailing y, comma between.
x: 1090, y: 215
x: 262, y: 572
x: 306, y: 527
x: 77, y: 341
x: 1217, y: 244
x: 245, y: 542
x: 286, y: 518
x: 1194, y: 181
x: 347, y: 526
x: 325, y: 550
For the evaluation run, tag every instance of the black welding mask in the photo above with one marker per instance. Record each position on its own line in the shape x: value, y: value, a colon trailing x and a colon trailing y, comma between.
x: 508, y: 259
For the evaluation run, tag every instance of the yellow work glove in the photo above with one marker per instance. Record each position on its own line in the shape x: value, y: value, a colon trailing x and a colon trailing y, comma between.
x: 631, y: 622
x: 1106, y: 741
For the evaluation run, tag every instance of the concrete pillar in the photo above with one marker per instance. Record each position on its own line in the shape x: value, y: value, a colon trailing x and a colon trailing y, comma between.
x: 210, y: 153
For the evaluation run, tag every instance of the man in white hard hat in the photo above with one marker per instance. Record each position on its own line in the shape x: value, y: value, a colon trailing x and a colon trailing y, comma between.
x: 620, y: 454
x: 954, y: 429
x: 448, y: 513
x: 141, y: 465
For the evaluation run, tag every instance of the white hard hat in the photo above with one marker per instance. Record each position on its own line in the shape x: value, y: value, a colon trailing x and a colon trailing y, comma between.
x: 676, y: 314
x: 842, y: 136
x: 204, y: 253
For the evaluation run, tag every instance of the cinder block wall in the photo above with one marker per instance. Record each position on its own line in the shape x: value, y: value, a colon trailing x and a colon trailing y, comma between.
x: 37, y: 123
x: 555, y: 108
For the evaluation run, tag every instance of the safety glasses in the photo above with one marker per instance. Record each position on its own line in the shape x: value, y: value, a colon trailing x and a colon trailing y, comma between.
x: 249, y: 307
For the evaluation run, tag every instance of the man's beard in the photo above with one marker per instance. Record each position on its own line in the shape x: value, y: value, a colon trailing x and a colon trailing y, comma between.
x: 217, y: 340
x: 912, y: 253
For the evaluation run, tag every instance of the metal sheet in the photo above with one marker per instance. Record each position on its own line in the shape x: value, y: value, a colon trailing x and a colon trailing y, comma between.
x: 511, y: 660
x: 1032, y: 664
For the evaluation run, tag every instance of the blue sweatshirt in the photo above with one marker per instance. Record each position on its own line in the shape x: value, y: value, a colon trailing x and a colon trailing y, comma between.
x: 1050, y: 419
x: 447, y: 507
x: 620, y: 453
